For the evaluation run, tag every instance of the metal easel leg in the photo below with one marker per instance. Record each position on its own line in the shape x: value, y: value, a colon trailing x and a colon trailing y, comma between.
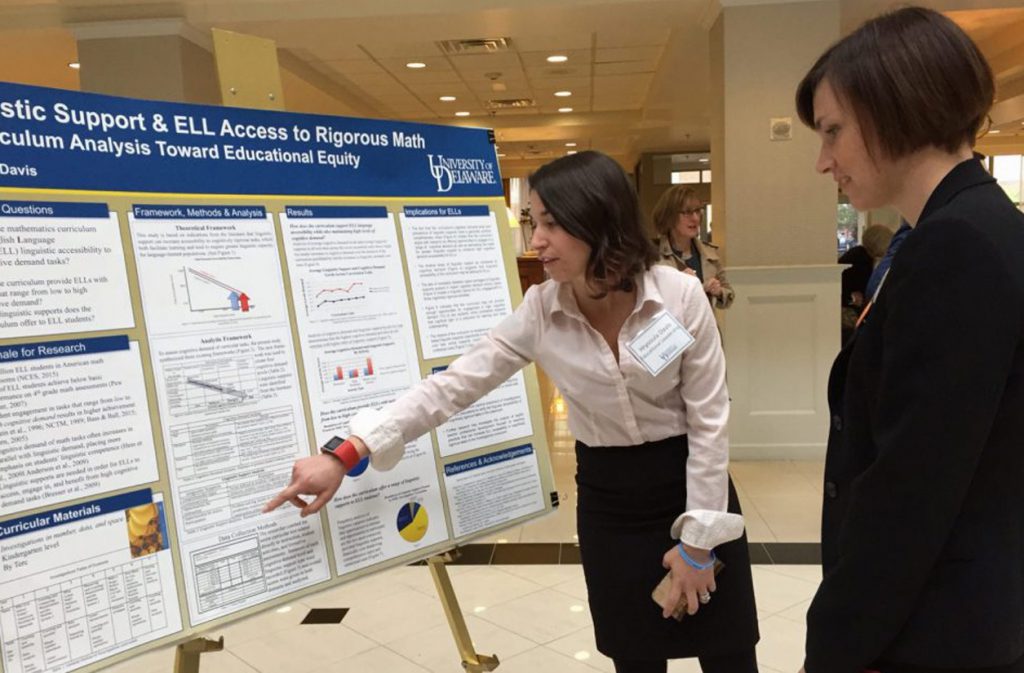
x: 186, y: 659
x: 471, y: 661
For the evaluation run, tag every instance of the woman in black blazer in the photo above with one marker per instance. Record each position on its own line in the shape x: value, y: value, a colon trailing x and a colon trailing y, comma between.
x: 923, y: 524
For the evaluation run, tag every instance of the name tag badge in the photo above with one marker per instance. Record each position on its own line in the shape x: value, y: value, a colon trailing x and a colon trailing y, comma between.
x: 660, y: 342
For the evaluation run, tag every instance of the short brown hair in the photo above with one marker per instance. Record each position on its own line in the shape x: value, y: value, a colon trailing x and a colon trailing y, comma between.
x: 672, y: 201
x: 589, y: 196
x: 912, y: 79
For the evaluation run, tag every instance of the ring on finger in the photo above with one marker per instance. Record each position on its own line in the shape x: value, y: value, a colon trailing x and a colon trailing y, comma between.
x: 704, y: 598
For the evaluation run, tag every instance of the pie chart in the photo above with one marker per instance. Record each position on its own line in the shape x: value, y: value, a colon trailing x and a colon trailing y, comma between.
x: 359, y: 468
x: 412, y: 522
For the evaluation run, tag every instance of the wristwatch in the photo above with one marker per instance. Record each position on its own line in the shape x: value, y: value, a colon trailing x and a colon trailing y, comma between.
x: 343, y: 450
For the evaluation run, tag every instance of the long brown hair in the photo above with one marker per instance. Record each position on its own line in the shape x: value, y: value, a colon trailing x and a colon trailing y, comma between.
x: 589, y: 196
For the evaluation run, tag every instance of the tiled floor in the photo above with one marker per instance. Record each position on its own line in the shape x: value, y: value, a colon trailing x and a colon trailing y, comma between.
x: 533, y: 617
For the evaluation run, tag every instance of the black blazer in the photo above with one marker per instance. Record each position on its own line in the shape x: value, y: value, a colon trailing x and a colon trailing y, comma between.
x: 923, y: 522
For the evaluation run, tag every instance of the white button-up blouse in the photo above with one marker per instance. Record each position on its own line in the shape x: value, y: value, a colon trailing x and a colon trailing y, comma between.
x: 610, y: 403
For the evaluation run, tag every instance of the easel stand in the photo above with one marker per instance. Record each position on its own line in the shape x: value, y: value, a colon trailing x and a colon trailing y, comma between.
x: 471, y: 661
x: 186, y: 659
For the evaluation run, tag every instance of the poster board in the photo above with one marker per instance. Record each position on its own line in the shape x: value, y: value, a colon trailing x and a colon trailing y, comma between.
x: 191, y: 298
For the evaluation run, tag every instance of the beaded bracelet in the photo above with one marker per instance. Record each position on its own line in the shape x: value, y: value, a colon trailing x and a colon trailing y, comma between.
x: 695, y: 564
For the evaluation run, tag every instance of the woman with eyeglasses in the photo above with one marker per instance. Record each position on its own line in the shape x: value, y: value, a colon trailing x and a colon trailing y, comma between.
x: 677, y: 220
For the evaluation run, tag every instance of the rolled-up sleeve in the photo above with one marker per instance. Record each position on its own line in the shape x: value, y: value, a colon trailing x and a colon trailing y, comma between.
x: 706, y: 523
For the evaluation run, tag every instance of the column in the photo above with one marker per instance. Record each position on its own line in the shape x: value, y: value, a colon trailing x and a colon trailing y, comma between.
x: 774, y: 217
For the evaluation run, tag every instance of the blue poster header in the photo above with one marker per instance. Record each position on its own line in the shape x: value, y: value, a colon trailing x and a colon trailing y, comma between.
x: 58, y: 139
x: 34, y: 523
x: 487, y: 459
x: 53, y: 209
x: 144, y: 212
x: 447, y: 211
x: 336, y: 212
x: 58, y: 349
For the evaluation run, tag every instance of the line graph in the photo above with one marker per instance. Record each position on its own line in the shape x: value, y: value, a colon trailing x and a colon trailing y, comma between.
x: 332, y: 295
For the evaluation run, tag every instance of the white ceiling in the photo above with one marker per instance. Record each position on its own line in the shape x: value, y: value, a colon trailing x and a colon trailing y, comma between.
x: 638, y: 69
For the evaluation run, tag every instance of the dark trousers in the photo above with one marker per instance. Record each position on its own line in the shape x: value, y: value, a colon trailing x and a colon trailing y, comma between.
x: 745, y: 662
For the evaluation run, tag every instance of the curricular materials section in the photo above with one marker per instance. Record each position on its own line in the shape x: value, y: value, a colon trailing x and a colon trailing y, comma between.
x: 84, y: 583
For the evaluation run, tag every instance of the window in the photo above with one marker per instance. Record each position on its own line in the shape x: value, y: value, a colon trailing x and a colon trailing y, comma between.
x: 846, y: 227
x: 1007, y: 170
x: 685, y: 177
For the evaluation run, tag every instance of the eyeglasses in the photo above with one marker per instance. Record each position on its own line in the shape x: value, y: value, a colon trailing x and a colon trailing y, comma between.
x: 692, y: 211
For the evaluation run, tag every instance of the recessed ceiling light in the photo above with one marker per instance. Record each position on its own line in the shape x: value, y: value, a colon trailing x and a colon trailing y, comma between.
x: 563, y: 94
x: 74, y: 65
x: 415, y: 65
x: 704, y: 161
x: 571, y: 152
x: 557, y: 58
x: 447, y: 99
x: 570, y: 144
x: 462, y: 113
x: 565, y: 109
x: 500, y: 155
x: 995, y: 131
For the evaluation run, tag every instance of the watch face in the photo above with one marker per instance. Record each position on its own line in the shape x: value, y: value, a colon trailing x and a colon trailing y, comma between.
x: 333, y: 443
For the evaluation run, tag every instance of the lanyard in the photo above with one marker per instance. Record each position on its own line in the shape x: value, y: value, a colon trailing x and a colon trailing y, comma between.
x: 871, y: 302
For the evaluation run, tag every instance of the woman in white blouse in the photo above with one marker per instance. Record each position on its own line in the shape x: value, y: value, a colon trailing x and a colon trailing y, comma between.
x: 648, y: 408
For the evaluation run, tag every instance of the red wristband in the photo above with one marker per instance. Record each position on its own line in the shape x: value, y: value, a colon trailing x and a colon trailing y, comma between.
x: 345, y: 452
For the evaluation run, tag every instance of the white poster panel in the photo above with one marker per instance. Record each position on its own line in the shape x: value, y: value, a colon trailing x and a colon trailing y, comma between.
x: 85, y: 582
x: 457, y: 275
x: 74, y: 421
x: 61, y: 269
x: 500, y: 416
x: 492, y: 489
x: 229, y: 398
x: 358, y: 351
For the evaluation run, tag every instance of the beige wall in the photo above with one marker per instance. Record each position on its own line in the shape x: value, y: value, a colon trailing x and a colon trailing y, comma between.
x: 778, y: 211
x: 719, y: 158
x: 162, y: 67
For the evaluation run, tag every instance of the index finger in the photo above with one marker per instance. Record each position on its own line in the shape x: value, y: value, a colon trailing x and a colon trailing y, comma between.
x: 281, y: 498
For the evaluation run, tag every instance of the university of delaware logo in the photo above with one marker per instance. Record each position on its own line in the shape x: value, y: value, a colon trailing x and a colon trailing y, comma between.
x: 451, y: 171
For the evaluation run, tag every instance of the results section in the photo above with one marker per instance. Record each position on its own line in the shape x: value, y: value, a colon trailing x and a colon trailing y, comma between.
x: 359, y: 351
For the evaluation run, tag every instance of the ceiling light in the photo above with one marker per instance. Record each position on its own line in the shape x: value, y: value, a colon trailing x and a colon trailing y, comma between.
x: 704, y: 161
x: 557, y: 58
x: 447, y: 99
x: 570, y: 144
x: 74, y: 65
x: 563, y: 94
x: 415, y: 65
x: 571, y: 152
x: 565, y: 109
x: 500, y: 155
x: 462, y: 113
x: 995, y: 131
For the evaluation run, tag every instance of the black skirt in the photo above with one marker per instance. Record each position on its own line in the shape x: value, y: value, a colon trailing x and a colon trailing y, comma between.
x: 628, y: 499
